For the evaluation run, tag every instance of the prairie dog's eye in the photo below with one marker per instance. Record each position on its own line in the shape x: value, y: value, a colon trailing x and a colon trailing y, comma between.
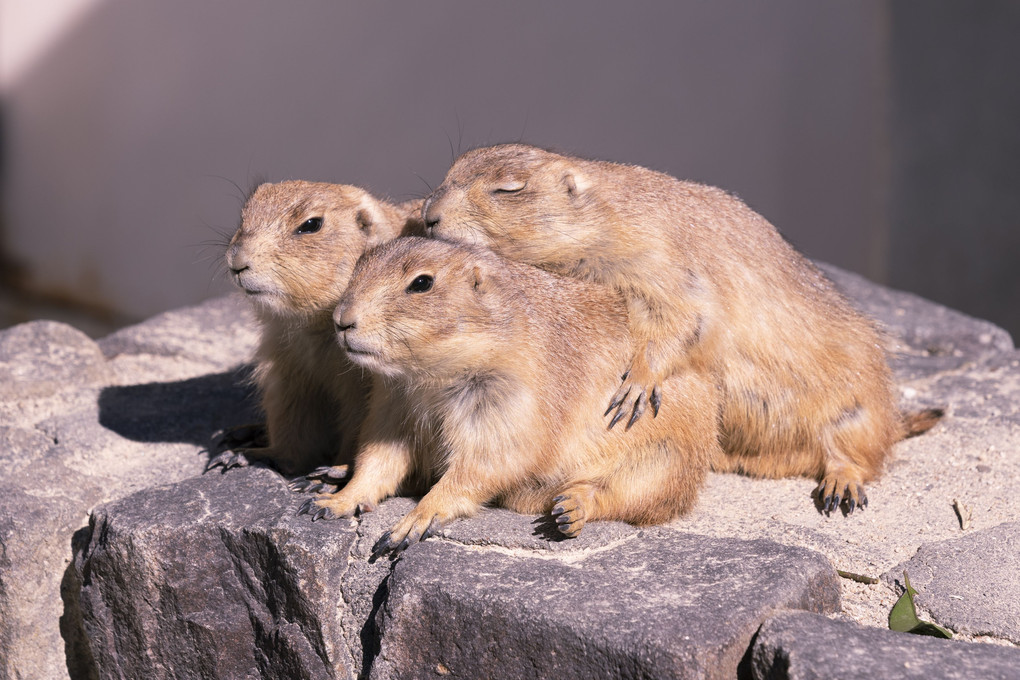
x: 309, y: 226
x: 509, y: 187
x: 421, y: 284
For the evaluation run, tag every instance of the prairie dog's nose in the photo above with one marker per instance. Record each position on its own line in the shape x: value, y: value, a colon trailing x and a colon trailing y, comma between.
x: 237, y: 261
x: 343, y: 319
x: 430, y: 212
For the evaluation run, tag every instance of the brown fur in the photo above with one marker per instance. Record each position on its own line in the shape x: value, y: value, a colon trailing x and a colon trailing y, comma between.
x: 710, y: 285
x: 313, y: 397
x: 488, y: 384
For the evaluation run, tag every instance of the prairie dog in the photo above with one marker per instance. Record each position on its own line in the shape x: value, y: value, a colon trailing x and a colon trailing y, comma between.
x: 488, y: 375
x: 710, y: 286
x: 292, y: 256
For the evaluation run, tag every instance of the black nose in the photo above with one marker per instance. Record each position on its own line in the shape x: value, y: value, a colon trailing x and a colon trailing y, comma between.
x: 238, y: 270
x: 343, y: 325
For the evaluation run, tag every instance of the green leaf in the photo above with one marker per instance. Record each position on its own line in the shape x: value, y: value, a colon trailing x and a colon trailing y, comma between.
x: 903, y: 617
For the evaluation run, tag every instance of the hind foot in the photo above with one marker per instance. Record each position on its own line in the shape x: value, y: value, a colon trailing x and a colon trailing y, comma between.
x: 326, y: 479
x: 572, y: 509
x: 836, y: 488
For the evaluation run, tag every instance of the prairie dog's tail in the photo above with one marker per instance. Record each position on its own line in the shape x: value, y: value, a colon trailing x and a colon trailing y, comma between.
x: 919, y: 422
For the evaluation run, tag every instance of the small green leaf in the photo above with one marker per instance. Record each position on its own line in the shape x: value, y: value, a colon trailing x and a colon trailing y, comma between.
x: 903, y: 617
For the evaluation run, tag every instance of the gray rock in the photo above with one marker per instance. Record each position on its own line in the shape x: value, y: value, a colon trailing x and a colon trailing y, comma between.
x: 803, y: 646
x: 41, y: 358
x: 221, y: 331
x: 932, y: 338
x: 215, y: 577
x: 970, y: 584
x: 654, y: 604
x: 79, y: 428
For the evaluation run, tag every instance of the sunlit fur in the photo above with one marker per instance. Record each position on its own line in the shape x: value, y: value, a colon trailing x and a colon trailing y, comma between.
x: 314, y: 399
x: 490, y: 383
x: 710, y: 286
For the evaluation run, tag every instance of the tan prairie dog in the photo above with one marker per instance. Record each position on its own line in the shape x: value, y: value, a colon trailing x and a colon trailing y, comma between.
x: 488, y: 375
x: 710, y: 286
x: 292, y: 256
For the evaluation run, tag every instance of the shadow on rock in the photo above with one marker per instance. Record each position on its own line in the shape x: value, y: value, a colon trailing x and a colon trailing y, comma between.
x: 191, y: 411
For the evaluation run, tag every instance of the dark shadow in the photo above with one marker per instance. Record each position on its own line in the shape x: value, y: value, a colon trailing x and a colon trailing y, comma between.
x: 190, y: 411
x: 81, y: 665
x: 545, y: 527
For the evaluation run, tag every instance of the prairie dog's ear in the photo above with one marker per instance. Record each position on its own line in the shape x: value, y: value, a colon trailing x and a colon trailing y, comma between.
x: 368, y: 217
x: 575, y: 181
x: 479, y: 279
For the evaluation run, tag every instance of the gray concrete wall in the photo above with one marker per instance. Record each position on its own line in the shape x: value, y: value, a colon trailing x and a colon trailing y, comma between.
x: 122, y: 141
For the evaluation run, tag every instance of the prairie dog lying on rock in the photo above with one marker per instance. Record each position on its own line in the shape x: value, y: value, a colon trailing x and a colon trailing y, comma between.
x: 488, y: 375
x: 292, y: 256
x: 710, y: 286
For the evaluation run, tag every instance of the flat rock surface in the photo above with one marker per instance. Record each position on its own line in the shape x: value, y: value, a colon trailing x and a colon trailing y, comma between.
x: 969, y: 584
x: 802, y: 646
x: 651, y: 604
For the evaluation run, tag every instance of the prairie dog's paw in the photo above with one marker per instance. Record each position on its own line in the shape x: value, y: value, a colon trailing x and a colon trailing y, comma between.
x: 837, y: 488
x: 416, y: 526
x: 326, y: 479
x: 639, y: 390
x: 227, y: 460
x: 335, y: 505
x: 571, y: 509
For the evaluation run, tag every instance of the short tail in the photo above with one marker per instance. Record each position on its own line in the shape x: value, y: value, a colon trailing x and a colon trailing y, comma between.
x: 919, y: 422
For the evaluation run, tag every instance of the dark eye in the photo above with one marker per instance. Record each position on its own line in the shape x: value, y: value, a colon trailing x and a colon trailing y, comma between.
x: 510, y: 187
x: 421, y: 284
x: 309, y: 226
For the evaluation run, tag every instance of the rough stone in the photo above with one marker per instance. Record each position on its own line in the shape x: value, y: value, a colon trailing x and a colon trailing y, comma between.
x: 803, y: 646
x: 80, y: 428
x: 214, y: 577
x: 970, y: 584
x: 654, y: 604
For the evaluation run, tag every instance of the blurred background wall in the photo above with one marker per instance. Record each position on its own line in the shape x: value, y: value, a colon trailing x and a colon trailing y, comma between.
x: 880, y: 135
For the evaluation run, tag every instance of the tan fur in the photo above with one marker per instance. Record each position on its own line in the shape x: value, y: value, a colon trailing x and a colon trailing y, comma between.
x: 313, y: 397
x: 710, y: 285
x: 488, y: 384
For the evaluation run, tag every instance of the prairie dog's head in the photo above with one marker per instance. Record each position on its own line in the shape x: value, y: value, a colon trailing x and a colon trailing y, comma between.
x: 298, y: 241
x: 427, y: 308
x: 526, y: 203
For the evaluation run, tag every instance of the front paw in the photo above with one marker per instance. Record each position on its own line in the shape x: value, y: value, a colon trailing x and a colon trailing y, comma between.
x: 326, y: 479
x: 413, y: 528
x: 835, y: 489
x: 227, y: 460
x: 335, y: 506
x: 638, y: 391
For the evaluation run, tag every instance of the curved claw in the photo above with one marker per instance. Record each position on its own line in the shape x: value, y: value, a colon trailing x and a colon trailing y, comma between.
x: 639, y: 410
x: 306, y: 507
x: 617, y: 417
x: 655, y: 399
x: 329, y: 473
x: 383, y: 545
x: 226, y: 460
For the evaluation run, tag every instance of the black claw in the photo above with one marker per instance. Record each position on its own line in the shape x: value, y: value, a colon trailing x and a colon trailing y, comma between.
x: 850, y: 505
x: 306, y: 507
x: 557, y: 510
x: 316, y: 488
x: 864, y: 502
x: 616, y: 418
x: 639, y: 410
x: 833, y: 503
x: 616, y: 403
x: 655, y: 399
x: 404, y: 545
x: 299, y: 484
x: 563, y: 519
x: 320, y: 514
x: 319, y: 472
x: 561, y: 497
x: 432, y: 530
x: 382, y: 546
